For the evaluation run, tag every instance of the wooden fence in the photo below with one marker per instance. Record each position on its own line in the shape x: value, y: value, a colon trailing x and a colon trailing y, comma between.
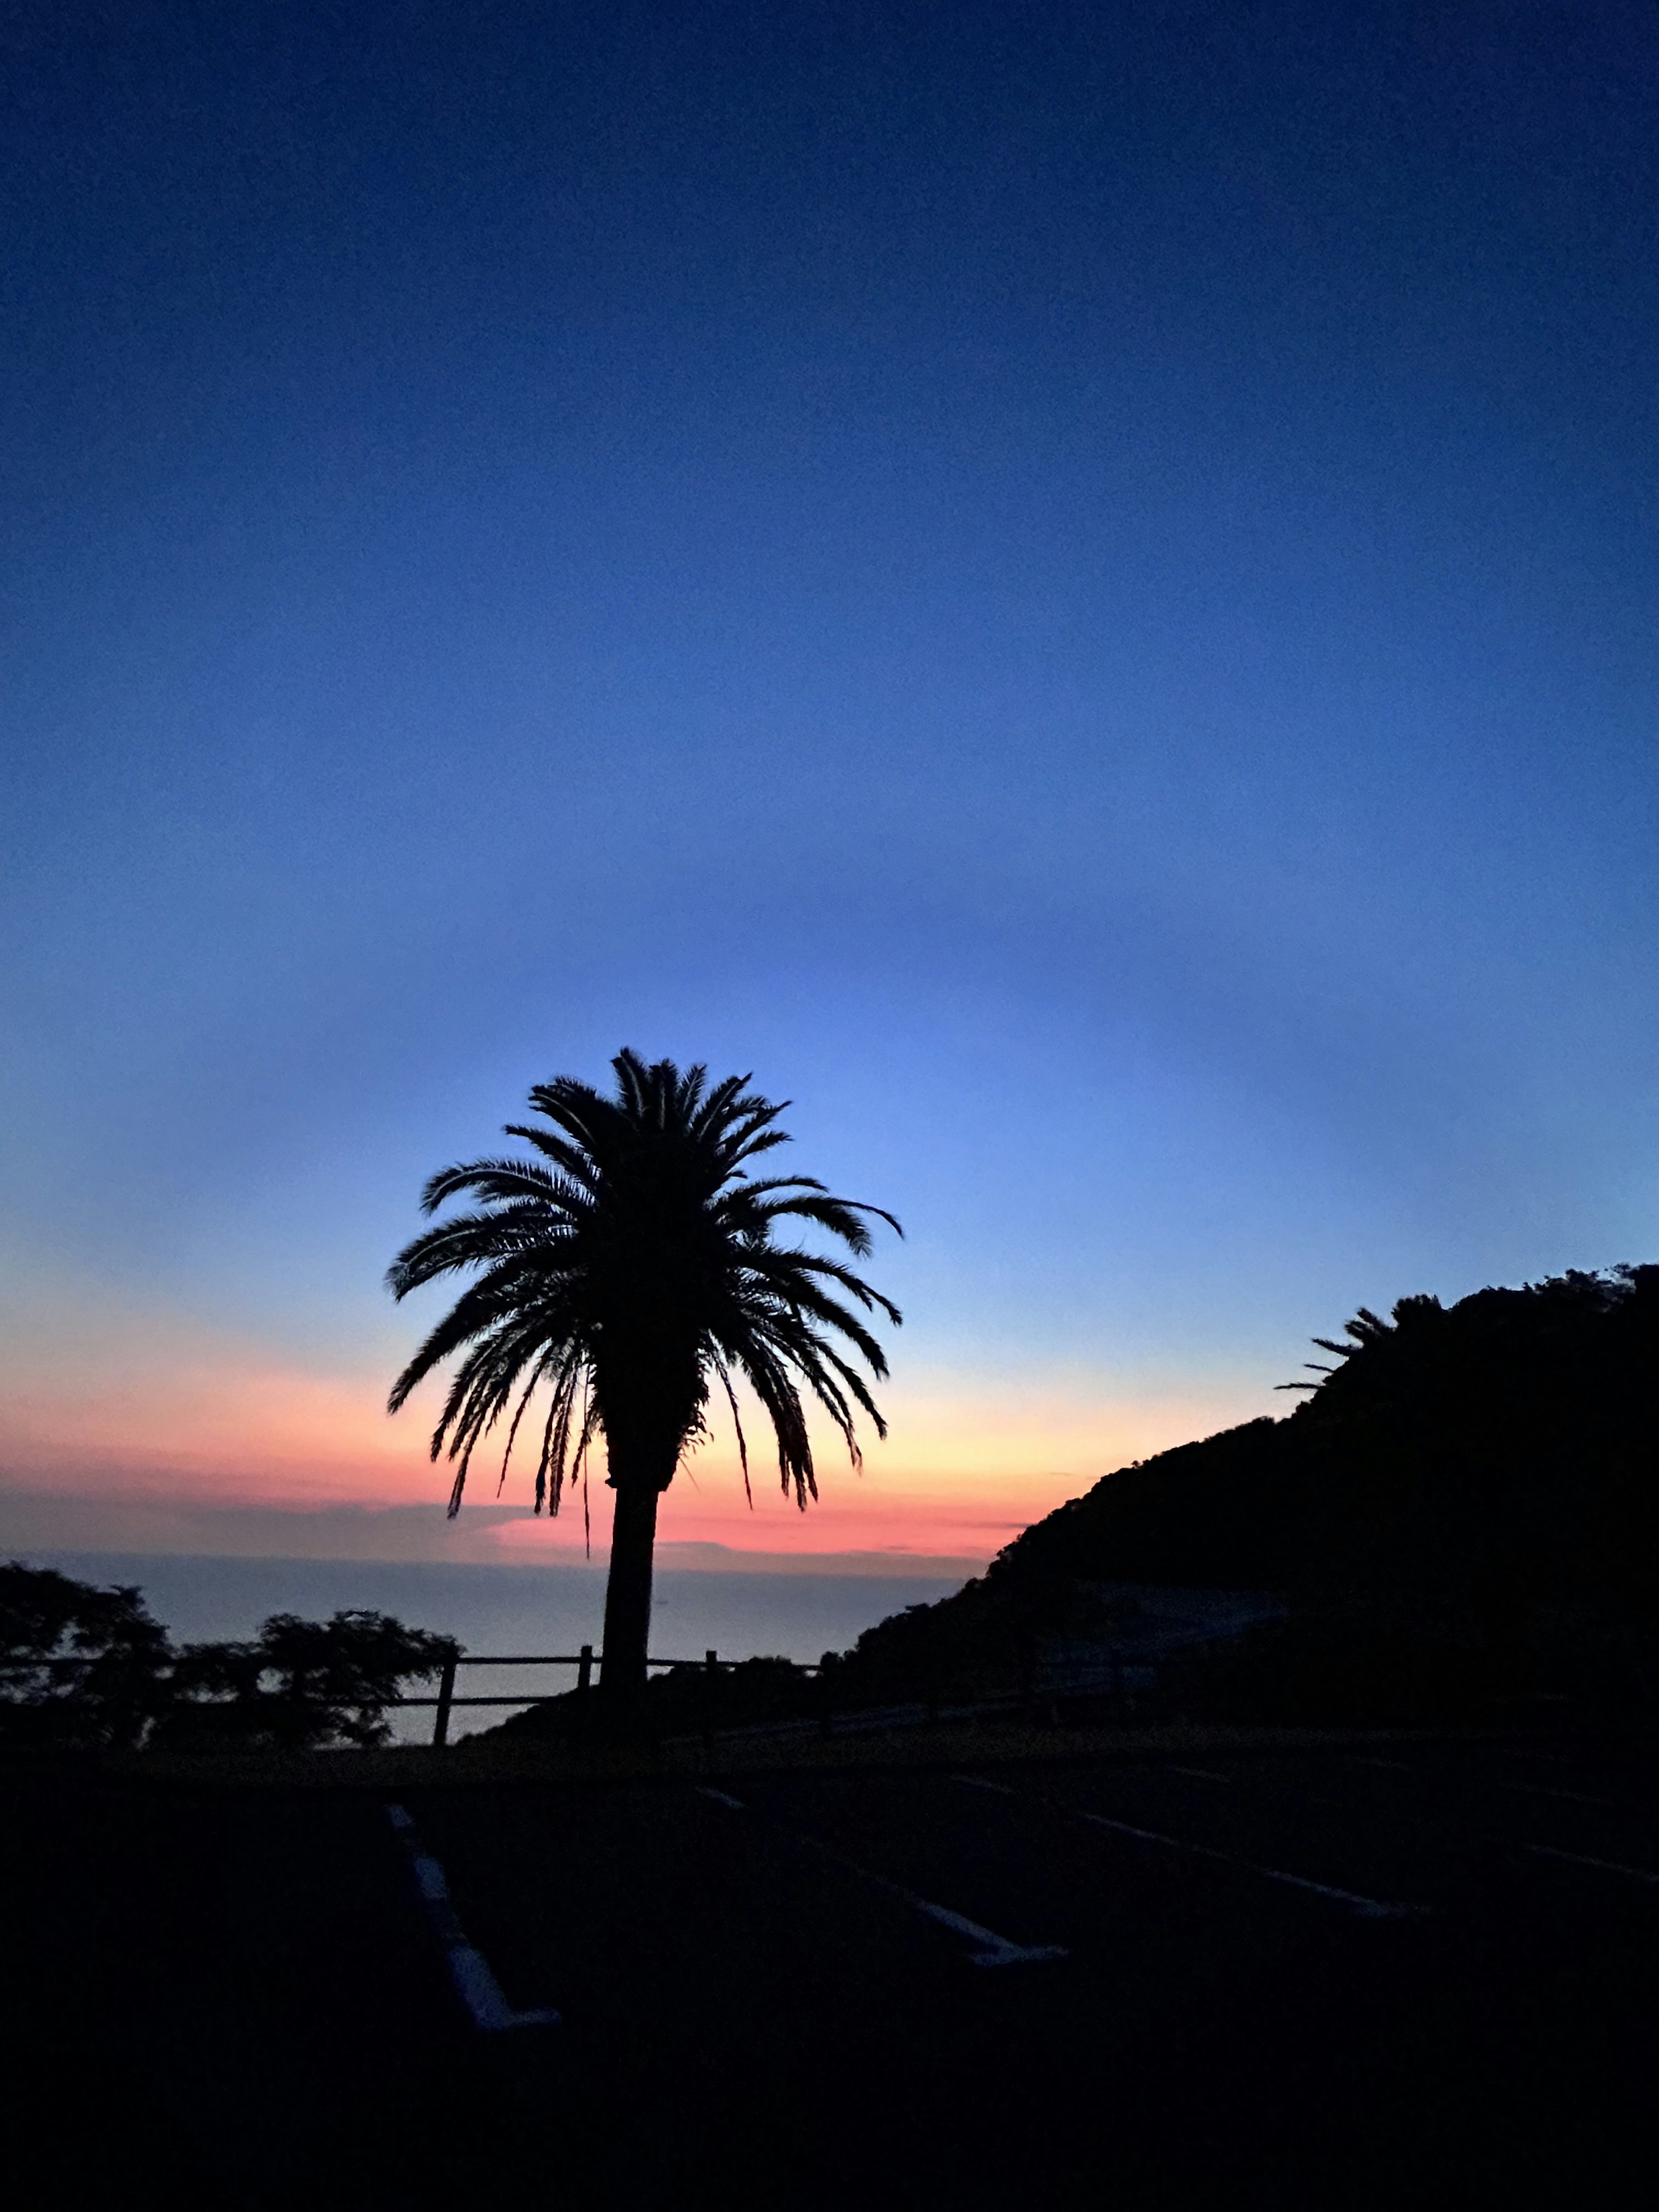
x: 583, y: 1661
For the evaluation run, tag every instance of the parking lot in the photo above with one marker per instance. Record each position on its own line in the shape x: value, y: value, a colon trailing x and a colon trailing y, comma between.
x: 1228, y: 1977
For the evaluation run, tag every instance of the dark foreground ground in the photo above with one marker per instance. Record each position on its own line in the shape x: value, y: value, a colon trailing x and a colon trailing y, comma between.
x: 234, y: 1998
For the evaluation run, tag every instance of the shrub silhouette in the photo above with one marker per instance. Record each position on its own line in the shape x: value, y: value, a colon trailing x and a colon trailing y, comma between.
x: 300, y: 1685
x: 86, y: 1669
x: 687, y: 1698
x: 80, y: 1667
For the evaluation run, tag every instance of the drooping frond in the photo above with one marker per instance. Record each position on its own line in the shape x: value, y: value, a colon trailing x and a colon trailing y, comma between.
x: 725, y: 1374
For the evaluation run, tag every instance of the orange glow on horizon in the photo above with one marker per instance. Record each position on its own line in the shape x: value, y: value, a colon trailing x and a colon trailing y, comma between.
x: 169, y: 1412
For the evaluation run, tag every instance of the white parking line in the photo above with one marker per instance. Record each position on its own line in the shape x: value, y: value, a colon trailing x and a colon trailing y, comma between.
x: 476, y: 1987
x: 1567, y: 1797
x: 1367, y: 1908
x: 990, y: 1949
x: 1394, y: 1765
x: 1201, y: 1774
x: 1603, y: 1866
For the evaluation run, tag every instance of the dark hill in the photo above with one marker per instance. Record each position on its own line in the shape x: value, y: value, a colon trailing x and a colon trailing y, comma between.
x: 1468, y: 1493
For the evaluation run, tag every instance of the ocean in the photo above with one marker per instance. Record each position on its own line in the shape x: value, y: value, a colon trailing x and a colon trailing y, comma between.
x: 508, y: 1609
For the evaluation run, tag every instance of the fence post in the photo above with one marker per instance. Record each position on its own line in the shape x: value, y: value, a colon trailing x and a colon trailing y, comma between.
x: 584, y: 1668
x: 445, y: 1695
x: 711, y: 1669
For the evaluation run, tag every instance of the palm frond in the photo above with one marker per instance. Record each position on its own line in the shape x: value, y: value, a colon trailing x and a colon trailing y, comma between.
x: 632, y: 1252
x: 725, y: 1374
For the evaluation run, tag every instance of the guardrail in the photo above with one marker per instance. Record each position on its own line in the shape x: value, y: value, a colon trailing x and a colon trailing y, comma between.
x: 583, y: 1661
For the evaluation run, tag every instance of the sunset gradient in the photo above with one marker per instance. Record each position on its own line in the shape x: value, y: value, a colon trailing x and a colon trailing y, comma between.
x: 181, y: 1429
x: 1073, y: 588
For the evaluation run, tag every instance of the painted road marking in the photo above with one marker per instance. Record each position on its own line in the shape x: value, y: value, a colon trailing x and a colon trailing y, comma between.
x: 476, y: 1987
x: 990, y: 1949
x: 1567, y: 1797
x: 1201, y: 1774
x: 1603, y: 1866
x: 1394, y: 1765
x: 1367, y: 1908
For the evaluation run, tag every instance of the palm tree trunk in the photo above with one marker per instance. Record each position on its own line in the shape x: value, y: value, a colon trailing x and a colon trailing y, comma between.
x: 627, y: 1593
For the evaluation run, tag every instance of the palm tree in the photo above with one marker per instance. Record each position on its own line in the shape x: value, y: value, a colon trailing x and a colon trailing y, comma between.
x: 620, y: 1272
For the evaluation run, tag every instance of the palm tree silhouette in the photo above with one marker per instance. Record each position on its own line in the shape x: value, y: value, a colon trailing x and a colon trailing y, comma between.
x: 621, y: 1270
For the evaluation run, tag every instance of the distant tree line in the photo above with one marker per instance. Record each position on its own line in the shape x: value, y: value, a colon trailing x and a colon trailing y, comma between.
x: 88, y: 1669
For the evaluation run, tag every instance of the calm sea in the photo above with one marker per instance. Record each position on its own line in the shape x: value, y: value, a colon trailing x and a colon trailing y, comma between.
x: 508, y: 1609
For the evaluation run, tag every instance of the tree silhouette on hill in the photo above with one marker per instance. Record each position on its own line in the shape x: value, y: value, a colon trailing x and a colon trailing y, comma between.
x: 1462, y: 1482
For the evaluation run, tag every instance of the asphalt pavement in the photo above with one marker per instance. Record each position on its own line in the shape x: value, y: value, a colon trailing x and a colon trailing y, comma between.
x: 1329, y: 1977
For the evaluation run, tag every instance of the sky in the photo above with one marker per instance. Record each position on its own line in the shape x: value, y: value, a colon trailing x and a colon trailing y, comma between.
x: 1073, y: 587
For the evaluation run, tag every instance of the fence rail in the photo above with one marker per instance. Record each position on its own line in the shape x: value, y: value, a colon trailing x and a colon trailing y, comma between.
x: 1043, y: 1675
x: 583, y: 1661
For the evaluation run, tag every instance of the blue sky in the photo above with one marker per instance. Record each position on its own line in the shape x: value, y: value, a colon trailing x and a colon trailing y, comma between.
x: 1074, y: 587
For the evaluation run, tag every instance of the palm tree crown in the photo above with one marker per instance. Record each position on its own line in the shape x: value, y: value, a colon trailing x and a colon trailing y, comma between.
x: 629, y: 1264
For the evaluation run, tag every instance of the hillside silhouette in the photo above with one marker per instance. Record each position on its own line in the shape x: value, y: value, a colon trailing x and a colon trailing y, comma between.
x: 1463, y: 1506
